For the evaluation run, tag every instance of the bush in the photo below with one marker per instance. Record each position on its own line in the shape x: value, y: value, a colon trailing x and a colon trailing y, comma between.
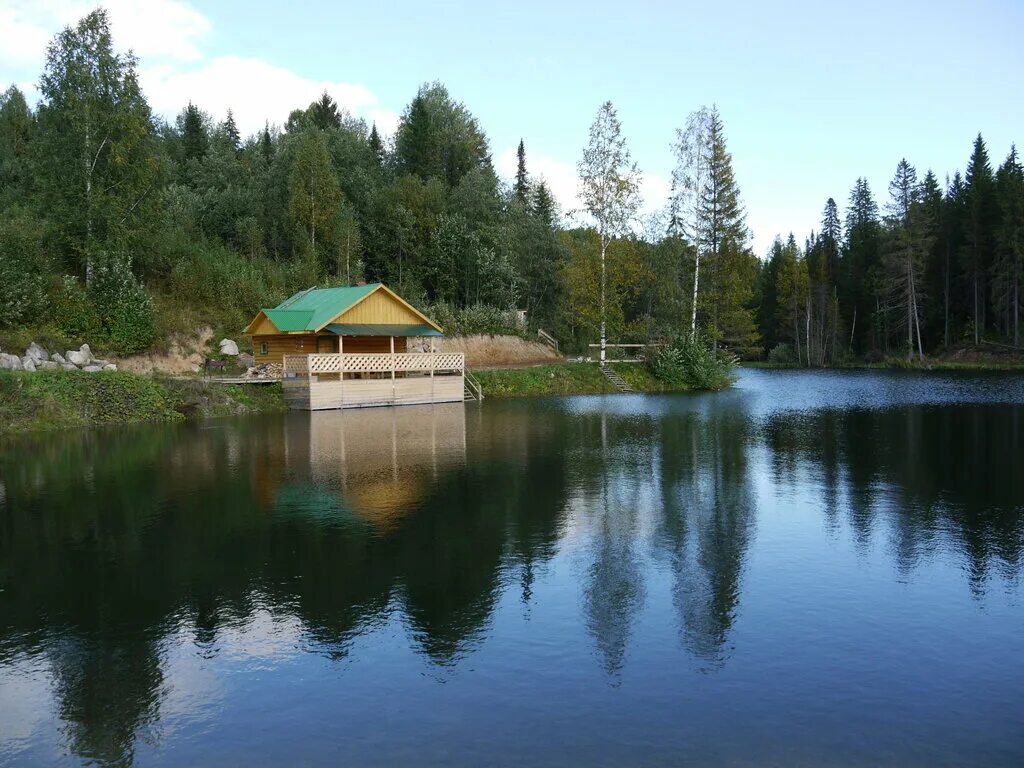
x: 475, y: 319
x: 23, y: 270
x: 782, y: 354
x: 124, y: 308
x: 691, y: 361
x: 75, y: 314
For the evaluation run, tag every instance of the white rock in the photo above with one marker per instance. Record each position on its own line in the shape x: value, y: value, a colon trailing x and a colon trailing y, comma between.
x: 58, y: 358
x: 92, y: 368
x: 228, y: 347
x: 69, y: 366
x: 10, y: 362
x: 77, y: 357
x: 28, y: 364
x: 48, y: 365
x: 37, y: 353
x: 109, y: 367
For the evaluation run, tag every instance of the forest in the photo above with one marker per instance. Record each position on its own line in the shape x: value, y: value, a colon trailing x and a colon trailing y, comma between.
x: 119, y: 227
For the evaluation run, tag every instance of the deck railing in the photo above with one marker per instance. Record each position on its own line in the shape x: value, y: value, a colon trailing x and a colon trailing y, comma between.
x: 399, y: 362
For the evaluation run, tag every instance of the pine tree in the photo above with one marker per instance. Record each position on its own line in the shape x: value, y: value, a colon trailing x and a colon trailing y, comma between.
x: 859, y: 272
x: 792, y: 295
x: 522, y: 184
x: 230, y: 131
x: 376, y: 146
x: 721, y: 221
x: 1009, y: 242
x: 266, y: 143
x: 909, y: 242
x: 195, y: 141
x: 952, y: 231
x: 16, y: 133
x: 831, y: 237
x: 544, y: 207
x: 417, y: 145
x: 978, y: 225
x: 323, y: 113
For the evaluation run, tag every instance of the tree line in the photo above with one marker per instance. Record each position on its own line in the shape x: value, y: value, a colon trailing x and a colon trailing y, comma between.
x: 118, y: 225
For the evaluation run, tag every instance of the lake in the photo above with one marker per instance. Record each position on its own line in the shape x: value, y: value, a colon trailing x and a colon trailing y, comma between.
x: 810, y: 569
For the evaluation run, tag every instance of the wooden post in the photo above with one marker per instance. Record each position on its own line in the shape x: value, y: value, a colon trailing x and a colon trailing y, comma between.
x: 433, y: 364
x: 392, y: 368
x: 341, y: 367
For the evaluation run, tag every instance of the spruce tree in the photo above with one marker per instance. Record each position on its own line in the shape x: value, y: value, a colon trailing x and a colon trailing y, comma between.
x: 544, y: 207
x: 230, y: 131
x: 17, y: 127
x: 1009, y: 243
x: 978, y: 229
x: 266, y: 143
x: 195, y: 140
x: 723, y: 228
x: 323, y: 113
x: 909, y: 241
x: 858, y: 284
x: 376, y: 146
x: 522, y: 184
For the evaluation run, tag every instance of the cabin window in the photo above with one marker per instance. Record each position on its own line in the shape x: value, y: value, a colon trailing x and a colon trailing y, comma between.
x: 264, y: 348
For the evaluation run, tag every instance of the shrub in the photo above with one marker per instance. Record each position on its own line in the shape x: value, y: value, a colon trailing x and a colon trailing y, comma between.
x: 691, y: 361
x: 23, y: 270
x: 782, y: 354
x: 75, y: 314
x: 124, y: 308
x: 475, y: 319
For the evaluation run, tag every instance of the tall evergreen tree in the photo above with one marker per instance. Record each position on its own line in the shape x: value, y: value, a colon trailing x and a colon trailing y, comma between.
x: 723, y: 229
x: 266, y: 143
x: 909, y: 242
x: 544, y: 207
x: 323, y: 113
x: 376, y: 145
x: 16, y: 132
x: 860, y: 281
x: 978, y: 226
x: 195, y: 140
x: 230, y: 131
x: 1009, y: 243
x: 522, y: 183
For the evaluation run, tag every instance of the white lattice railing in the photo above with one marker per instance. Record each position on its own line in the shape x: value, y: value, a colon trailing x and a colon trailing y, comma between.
x: 312, y: 365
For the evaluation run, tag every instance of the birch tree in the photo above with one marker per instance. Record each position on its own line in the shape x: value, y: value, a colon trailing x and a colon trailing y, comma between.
x: 315, y: 202
x: 97, y: 147
x: 692, y: 150
x: 609, y: 189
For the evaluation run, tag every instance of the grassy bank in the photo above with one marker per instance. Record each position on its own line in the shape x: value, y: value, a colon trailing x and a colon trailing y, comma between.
x: 48, y: 400
x: 563, y: 379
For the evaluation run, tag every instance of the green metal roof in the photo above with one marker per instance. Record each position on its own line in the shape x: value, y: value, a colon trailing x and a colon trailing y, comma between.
x: 310, y: 309
x: 359, y: 329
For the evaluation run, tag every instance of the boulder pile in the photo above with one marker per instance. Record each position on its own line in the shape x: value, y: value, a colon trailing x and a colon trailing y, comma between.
x: 37, y: 358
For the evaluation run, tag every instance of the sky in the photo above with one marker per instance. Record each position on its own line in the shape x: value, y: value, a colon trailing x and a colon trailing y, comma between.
x: 812, y: 94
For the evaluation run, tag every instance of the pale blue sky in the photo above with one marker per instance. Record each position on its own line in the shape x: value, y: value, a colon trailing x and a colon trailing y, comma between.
x: 812, y: 94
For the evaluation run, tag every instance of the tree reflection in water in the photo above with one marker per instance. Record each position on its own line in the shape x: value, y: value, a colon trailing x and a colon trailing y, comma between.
x: 116, y: 543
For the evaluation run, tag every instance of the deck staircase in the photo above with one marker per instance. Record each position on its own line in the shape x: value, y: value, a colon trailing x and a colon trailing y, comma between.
x: 472, y: 389
x: 615, y: 379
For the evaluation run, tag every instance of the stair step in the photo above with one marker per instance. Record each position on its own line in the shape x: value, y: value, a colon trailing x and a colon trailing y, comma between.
x: 616, y: 380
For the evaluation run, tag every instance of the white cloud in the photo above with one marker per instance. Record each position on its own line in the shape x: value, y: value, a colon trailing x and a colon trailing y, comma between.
x: 255, y: 90
x: 168, y: 37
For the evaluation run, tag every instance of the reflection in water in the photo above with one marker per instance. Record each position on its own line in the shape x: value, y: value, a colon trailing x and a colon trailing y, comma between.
x: 307, y: 536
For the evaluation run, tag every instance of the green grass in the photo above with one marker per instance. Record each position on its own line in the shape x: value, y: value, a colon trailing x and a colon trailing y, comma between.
x: 51, y: 400
x: 563, y: 379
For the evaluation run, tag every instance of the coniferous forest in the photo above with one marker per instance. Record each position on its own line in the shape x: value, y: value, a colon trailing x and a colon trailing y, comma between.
x: 119, y: 227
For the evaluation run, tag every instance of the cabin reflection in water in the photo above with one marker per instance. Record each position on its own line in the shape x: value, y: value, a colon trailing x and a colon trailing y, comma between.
x: 382, y: 462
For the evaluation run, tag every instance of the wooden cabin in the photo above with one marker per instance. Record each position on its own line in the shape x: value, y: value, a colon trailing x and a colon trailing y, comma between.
x: 349, y: 347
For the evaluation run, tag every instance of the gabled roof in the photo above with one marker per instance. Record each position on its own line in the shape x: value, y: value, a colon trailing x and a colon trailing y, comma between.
x: 313, y: 309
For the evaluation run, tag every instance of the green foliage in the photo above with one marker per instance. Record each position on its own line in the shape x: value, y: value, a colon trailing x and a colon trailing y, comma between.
x: 782, y: 354
x: 23, y: 270
x: 57, y: 399
x: 474, y: 319
x: 691, y: 361
x: 121, y: 304
x: 75, y: 314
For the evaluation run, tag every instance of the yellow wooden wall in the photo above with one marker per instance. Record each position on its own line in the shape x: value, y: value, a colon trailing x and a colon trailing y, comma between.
x: 380, y: 308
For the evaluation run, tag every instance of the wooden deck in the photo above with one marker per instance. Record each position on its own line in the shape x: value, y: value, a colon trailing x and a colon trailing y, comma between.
x: 329, y: 381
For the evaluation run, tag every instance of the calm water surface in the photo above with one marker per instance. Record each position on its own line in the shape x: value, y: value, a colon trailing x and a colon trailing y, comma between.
x: 811, y: 569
